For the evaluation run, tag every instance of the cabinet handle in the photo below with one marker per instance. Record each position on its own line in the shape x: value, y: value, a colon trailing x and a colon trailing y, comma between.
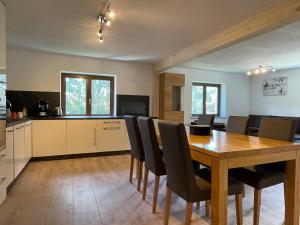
x: 19, y: 127
x: 95, y: 135
x: 112, y: 128
x: 2, y: 180
x: 111, y: 122
x: 9, y: 131
x: 2, y: 156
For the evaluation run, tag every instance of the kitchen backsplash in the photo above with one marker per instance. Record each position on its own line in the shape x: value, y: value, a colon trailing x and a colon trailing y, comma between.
x: 29, y: 99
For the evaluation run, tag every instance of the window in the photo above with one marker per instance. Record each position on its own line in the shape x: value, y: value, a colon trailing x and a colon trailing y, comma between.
x: 87, y: 94
x: 206, y: 99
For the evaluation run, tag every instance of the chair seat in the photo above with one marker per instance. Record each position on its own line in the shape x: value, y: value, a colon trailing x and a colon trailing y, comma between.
x: 258, y: 177
x: 234, y: 186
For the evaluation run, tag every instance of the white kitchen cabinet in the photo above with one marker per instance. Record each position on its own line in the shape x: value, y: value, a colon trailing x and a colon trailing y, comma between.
x: 49, y: 137
x: 19, y: 148
x: 28, y: 141
x: 9, y: 154
x: 112, y: 135
x: 81, y: 136
x: 2, y: 37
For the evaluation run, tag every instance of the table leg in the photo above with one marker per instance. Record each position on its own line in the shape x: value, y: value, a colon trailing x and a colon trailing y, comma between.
x: 219, y: 192
x: 292, y: 199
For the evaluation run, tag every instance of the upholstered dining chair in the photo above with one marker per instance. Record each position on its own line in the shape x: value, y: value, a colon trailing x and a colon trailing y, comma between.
x: 206, y: 120
x: 181, y: 178
x: 137, y: 150
x: 266, y: 175
x: 153, y: 157
x: 237, y: 124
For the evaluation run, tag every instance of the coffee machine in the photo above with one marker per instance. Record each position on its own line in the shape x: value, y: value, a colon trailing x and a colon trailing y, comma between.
x: 43, y: 108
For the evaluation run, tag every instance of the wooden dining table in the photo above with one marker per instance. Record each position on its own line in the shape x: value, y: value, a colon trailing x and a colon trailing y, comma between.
x: 222, y: 151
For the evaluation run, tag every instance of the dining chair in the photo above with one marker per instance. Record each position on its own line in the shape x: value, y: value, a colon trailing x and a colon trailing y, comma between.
x: 137, y: 151
x: 237, y: 124
x: 266, y: 175
x: 206, y: 120
x: 181, y: 178
x: 153, y: 157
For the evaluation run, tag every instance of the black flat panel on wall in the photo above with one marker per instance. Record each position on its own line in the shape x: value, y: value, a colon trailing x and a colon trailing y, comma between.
x: 137, y: 105
x: 29, y: 99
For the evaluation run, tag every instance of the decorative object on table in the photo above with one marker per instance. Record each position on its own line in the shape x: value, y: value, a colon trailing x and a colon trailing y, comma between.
x: 275, y: 86
x: 104, y: 19
x: 202, y: 130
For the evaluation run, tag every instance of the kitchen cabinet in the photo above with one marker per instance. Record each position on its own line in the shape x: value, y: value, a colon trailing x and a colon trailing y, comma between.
x: 49, y: 137
x: 28, y: 141
x: 2, y: 37
x: 112, y: 135
x: 81, y: 136
x: 19, y: 148
x: 9, y: 155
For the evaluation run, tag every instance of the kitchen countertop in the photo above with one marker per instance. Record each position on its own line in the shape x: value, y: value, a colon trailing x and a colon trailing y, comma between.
x: 11, y: 122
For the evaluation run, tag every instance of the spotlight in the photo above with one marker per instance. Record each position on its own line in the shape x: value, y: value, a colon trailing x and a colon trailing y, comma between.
x: 101, y: 39
x: 111, y: 14
x: 108, y: 23
x: 249, y: 73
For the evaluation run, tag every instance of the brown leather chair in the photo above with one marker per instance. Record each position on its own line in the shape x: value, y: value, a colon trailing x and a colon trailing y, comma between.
x: 153, y: 157
x: 181, y: 178
x: 206, y: 120
x: 267, y: 175
x: 137, y: 151
x: 237, y: 124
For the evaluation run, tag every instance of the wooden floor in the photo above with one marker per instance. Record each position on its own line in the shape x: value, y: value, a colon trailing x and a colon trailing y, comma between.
x: 96, y: 191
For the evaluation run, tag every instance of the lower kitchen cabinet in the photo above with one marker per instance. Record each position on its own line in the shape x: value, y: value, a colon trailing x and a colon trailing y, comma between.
x: 112, y: 135
x: 28, y: 141
x: 49, y: 137
x: 81, y: 136
x: 19, y: 148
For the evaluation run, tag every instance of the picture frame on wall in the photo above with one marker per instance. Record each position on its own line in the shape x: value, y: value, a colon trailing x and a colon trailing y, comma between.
x: 275, y: 86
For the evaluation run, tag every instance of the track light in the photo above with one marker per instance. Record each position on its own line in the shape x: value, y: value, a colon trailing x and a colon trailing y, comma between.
x: 261, y: 70
x: 104, y: 21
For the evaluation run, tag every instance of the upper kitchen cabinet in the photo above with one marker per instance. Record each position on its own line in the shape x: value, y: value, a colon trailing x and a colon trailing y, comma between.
x: 2, y: 37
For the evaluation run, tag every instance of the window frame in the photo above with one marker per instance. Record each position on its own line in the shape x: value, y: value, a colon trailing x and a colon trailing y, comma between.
x: 89, y: 79
x: 205, y: 85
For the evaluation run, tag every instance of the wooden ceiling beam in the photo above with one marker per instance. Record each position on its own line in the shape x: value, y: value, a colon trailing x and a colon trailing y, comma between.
x: 279, y: 15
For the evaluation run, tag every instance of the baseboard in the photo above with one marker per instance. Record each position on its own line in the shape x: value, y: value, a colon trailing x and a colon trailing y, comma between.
x: 83, y: 155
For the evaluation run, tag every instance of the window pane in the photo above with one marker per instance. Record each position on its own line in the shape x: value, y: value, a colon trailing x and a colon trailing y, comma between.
x: 75, y: 96
x: 197, y: 100
x: 100, y: 97
x: 212, y: 100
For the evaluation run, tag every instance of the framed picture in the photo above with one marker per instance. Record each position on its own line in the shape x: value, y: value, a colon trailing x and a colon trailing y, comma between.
x: 275, y: 86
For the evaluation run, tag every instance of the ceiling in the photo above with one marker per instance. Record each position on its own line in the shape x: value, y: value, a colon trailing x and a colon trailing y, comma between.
x: 143, y: 30
x: 279, y: 48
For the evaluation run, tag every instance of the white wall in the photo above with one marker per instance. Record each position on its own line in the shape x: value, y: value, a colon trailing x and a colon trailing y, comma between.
x: 2, y: 37
x: 287, y: 105
x: 38, y: 71
x: 235, y: 91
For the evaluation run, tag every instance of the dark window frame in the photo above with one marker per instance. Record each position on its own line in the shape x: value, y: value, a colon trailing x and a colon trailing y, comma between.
x: 89, y: 79
x: 205, y: 85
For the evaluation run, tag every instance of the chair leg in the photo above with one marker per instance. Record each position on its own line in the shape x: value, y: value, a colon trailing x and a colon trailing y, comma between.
x: 140, y: 172
x: 198, y: 204
x: 131, y: 169
x: 257, y: 203
x: 167, y: 206
x: 207, y: 208
x: 145, y: 183
x: 239, y: 208
x: 188, y: 213
x: 137, y: 166
x: 155, y: 193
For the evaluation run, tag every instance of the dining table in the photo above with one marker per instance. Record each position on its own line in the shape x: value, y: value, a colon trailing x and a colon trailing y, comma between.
x: 222, y: 151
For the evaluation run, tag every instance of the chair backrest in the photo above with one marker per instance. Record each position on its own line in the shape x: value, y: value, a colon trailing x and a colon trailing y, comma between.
x: 153, y: 158
x: 237, y: 124
x: 135, y: 140
x: 206, y: 120
x: 180, y: 174
x: 278, y: 128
